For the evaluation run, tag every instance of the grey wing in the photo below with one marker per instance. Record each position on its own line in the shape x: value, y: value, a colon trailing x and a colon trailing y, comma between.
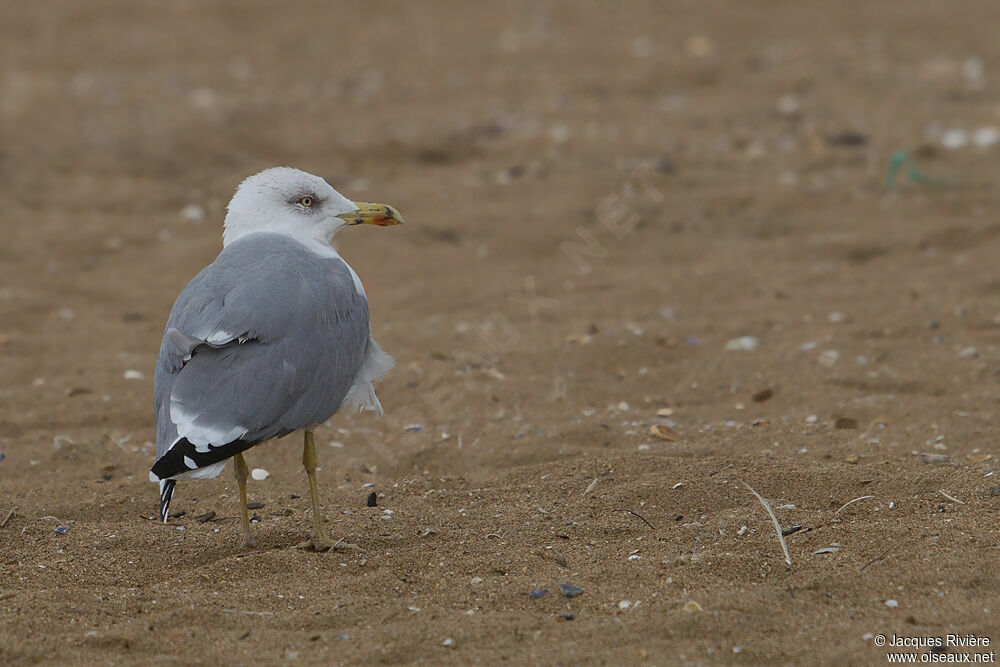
x: 268, y: 339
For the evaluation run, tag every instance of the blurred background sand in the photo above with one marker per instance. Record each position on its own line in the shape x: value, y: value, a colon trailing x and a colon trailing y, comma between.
x: 647, y: 244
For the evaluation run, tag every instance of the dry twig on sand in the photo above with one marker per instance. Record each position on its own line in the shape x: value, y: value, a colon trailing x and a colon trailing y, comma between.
x: 638, y: 515
x: 774, y: 519
x: 950, y: 497
x: 849, y: 502
x: 7, y: 518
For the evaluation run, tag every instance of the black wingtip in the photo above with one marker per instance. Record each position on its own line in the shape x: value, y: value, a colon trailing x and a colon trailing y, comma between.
x: 166, y: 493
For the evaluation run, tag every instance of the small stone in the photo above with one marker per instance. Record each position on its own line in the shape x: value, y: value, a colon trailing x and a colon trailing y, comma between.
x: 132, y: 374
x: 624, y: 604
x: 829, y: 358
x: 259, y: 474
x: 973, y: 69
x: 953, y: 139
x: 968, y: 353
x: 845, y: 423
x: 193, y: 213
x: 476, y: 580
x: 763, y: 395
x: 743, y: 343
x: 986, y: 137
x: 449, y: 642
x: 892, y: 603
x: 812, y: 419
x: 372, y: 500
x: 663, y: 433
x: 789, y: 105
x: 61, y: 530
x: 934, y: 459
x: 692, y: 606
x: 847, y: 138
x: 568, y: 590
x: 538, y: 593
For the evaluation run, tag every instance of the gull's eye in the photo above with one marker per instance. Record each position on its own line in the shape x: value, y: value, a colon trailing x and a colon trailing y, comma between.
x: 307, y: 202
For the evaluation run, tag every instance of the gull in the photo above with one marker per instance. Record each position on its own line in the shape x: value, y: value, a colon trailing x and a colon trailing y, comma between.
x: 271, y: 338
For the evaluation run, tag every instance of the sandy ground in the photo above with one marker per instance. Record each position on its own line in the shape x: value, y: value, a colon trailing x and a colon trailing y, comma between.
x: 599, y: 200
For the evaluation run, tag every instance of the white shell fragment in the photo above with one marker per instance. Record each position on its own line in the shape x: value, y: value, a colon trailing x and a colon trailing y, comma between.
x: 259, y: 474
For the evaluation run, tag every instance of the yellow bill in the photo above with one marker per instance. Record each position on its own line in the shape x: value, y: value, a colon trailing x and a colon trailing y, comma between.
x: 382, y: 215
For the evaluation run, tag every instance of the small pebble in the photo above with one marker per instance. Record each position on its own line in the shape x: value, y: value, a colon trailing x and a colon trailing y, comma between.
x: 259, y: 474
x: 61, y: 530
x: 193, y: 213
x: 372, y: 500
x: 812, y: 419
x: 449, y: 642
x: 624, y: 604
x: 829, y: 358
x: 788, y: 105
x: 744, y: 343
x: 985, y: 137
x: 538, y: 593
x: 132, y: 374
x: 892, y: 603
x: 692, y: 606
x: 568, y: 590
x: 953, y: 139
x: 968, y: 353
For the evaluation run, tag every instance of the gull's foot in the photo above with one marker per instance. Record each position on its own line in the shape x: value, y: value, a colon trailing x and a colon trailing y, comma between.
x: 323, y: 543
x: 249, y: 542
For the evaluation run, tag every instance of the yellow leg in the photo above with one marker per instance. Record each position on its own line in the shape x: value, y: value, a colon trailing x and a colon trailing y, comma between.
x: 242, y: 472
x: 319, y: 540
